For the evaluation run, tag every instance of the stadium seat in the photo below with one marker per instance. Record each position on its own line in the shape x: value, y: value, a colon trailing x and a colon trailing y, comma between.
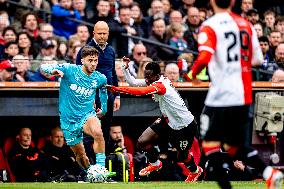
x: 2, y: 160
x: 8, y: 144
x: 128, y: 144
x: 4, y: 165
x: 42, y: 141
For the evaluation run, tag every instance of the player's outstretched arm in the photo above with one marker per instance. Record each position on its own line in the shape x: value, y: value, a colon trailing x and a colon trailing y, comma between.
x: 156, y: 88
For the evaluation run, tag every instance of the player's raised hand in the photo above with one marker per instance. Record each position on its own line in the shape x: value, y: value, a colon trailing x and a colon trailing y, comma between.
x: 126, y: 61
x: 58, y: 73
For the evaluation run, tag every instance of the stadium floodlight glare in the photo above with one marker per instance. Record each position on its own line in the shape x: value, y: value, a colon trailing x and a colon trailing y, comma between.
x: 269, y: 112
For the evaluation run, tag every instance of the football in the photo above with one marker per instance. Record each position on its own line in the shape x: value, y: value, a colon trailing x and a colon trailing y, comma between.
x: 96, y: 173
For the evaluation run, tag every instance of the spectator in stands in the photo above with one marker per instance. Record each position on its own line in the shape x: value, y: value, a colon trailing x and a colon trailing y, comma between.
x: 118, y: 70
x: 117, y: 140
x: 80, y: 6
x: 274, y: 40
x: 22, y: 64
x: 103, y: 12
x: 177, y: 38
x: 139, y: 52
x: 124, y: 24
x: 75, y: 50
x: 7, y: 71
x: 26, y: 46
x: 269, y: 19
x: 46, y: 51
x: 45, y: 32
x: 175, y: 17
x: 35, y: 7
x: 186, y: 4
x: 26, y: 162
x: 253, y: 16
x: 4, y: 22
x: 278, y: 76
x: 156, y: 12
x: 142, y: 65
x: 62, y: 51
x: 264, y: 45
x: 172, y: 72
x: 279, y: 56
x: 157, y: 52
x: 193, y: 23
x: 167, y: 8
x: 60, y: 157
x: 137, y: 15
x: 259, y: 29
x: 279, y: 26
x: 268, y: 66
x: 9, y: 34
x: 11, y: 50
x: 83, y: 34
x: 60, y: 14
x: 30, y: 25
x: 245, y: 6
x: 202, y: 14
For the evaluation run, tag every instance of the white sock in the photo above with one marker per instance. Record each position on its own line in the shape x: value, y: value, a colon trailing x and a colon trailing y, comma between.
x: 156, y: 163
x: 267, y: 172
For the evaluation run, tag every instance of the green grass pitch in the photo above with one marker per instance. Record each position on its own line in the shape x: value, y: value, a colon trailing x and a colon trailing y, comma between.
x: 146, y: 185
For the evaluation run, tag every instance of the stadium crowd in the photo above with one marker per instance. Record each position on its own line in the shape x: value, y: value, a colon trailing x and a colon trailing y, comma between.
x: 36, y: 32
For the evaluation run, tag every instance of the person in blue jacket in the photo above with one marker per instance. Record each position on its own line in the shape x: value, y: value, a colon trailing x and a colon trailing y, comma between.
x: 60, y: 13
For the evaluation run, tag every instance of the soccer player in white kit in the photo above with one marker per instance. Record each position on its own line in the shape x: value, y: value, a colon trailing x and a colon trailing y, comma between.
x: 177, y: 124
x: 228, y: 46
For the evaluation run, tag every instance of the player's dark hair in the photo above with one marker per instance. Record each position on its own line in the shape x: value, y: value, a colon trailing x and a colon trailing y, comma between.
x: 89, y: 50
x: 153, y: 66
x: 224, y: 4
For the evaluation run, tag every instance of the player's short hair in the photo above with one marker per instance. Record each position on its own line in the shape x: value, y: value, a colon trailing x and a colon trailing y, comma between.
x: 89, y: 50
x: 223, y: 3
x: 153, y: 66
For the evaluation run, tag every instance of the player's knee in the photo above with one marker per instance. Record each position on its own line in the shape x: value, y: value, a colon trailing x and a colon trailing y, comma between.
x: 81, y: 154
x: 98, y: 135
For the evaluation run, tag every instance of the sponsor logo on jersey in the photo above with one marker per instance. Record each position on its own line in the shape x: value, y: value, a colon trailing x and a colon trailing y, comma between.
x: 82, y: 91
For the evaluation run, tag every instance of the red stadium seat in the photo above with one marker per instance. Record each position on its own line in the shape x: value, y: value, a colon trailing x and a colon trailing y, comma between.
x: 2, y: 160
x: 128, y: 144
x: 42, y: 141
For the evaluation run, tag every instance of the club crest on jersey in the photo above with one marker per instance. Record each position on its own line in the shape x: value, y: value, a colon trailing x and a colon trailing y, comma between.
x: 202, y: 38
x: 94, y: 84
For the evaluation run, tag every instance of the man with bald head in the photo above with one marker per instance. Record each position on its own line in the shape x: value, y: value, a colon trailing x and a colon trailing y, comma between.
x: 106, y: 66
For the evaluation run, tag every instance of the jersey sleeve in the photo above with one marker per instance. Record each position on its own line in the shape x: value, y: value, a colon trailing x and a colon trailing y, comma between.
x: 131, y: 80
x: 206, y: 46
x: 49, y: 68
x: 156, y: 88
x: 207, y: 39
x: 103, y: 95
x: 257, y: 56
